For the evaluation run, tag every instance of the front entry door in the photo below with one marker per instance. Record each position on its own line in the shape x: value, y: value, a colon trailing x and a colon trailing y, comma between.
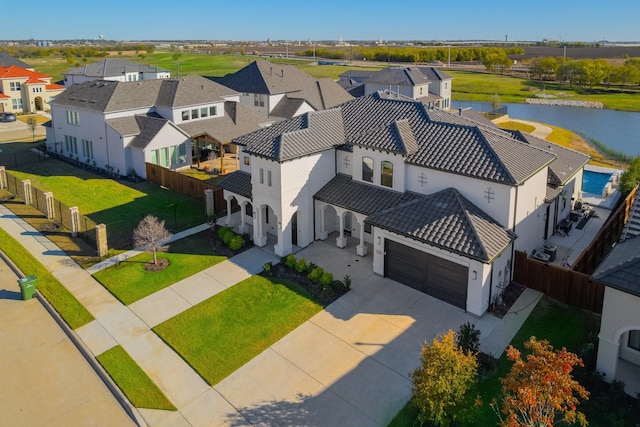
x: 294, y: 229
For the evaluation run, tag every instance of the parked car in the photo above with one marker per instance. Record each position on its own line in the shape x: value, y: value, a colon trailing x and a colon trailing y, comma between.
x: 8, y: 117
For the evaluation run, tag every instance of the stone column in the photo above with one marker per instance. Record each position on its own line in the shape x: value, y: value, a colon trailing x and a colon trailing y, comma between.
x: 228, y: 221
x: 48, y: 200
x: 243, y: 227
x: 75, y: 220
x: 361, y: 249
x: 26, y: 187
x: 259, y: 235
x: 341, y: 241
x: 208, y: 202
x: 3, y: 178
x: 101, y: 240
x: 322, y: 235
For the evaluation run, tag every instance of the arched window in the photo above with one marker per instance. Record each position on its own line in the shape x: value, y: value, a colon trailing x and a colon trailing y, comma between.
x: 386, y: 174
x: 367, y: 169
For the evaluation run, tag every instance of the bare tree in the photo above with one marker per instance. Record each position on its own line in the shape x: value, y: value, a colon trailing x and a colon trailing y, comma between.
x: 151, y: 236
x: 32, y: 122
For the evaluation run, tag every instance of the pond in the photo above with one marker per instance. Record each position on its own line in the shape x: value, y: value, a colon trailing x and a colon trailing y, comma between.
x: 619, y: 130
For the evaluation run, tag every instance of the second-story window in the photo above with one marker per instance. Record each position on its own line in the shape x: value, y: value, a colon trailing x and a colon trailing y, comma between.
x: 73, y: 118
x: 386, y: 174
x: 367, y: 169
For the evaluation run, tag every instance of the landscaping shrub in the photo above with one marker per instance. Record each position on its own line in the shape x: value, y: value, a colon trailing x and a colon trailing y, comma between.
x: 347, y: 282
x: 268, y: 268
x: 469, y: 338
x: 311, y: 266
x: 326, y: 279
x: 316, y: 274
x: 301, y: 266
x: 225, y: 234
x: 236, y: 242
x: 290, y: 261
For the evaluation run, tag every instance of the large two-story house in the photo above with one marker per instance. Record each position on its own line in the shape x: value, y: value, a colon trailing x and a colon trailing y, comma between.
x: 23, y: 90
x: 441, y: 200
x: 429, y: 85
x: 114, y: 69
x: 280, y: 91
x: 120, y: 126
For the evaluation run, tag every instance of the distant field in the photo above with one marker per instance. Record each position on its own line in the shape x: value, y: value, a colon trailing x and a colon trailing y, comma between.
x: 467, y: 85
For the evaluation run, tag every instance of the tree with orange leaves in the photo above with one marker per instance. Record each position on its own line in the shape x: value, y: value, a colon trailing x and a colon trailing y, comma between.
x: 537, y: 390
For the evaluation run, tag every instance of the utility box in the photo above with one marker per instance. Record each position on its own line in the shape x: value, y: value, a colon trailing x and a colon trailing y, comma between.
x: 27, y: 287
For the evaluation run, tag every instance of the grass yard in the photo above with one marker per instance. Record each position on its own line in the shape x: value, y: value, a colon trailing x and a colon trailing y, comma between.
x: 562, y: 326
x: 129, y: 282
x: 60, y: 298
x: 118, y: 204
x: 133, y: 381
x: 221, y: 334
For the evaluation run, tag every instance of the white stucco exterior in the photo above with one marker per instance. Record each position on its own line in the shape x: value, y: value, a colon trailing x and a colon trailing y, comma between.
x: 620, y: 314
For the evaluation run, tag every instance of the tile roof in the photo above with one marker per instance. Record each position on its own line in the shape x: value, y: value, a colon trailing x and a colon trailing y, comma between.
x: 309, y: 133
x: 264, y: 77
x: 445, y: 141
x: 449, y: 221
x: 360, y: 197
x: 238, y: 120
x: 396, y: 137
x: 110, y: 96
x: 566, y: 163
x: 113, y: 67
x: 238, y: 182
x: 13, y: 72
x: 621, y: 268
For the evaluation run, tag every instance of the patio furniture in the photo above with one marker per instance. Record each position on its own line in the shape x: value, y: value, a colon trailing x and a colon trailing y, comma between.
x: 550, y: 250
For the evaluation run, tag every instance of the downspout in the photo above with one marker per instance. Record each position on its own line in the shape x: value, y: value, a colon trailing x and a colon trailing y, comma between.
x: 491, y: 285
x: 513, y: 246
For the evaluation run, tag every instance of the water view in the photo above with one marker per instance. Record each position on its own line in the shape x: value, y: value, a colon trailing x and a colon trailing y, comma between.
x: 619, y: 130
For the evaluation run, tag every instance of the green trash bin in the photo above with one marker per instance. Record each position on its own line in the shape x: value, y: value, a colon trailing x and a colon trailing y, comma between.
x: 27, y: 287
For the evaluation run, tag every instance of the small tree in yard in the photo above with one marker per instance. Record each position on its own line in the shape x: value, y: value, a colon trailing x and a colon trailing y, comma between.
x: 443, y: 382
x: 151, y: 236
x: 32, y: 122
x: 537, y: 390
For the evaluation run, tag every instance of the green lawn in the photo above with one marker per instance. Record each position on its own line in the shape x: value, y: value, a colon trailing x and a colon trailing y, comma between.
x: 129, y: 282
x: 133, y: 381
x: 562, y: 326
x: 221, y: 334
x: 118, y: 204
x: 60, y: 298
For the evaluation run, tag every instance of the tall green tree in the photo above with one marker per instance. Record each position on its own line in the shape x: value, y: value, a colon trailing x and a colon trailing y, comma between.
x: 443, y: 383
x: 631, y: 178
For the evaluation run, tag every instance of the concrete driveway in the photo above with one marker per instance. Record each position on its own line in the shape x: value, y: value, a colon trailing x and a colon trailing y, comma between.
x: 349, y: 364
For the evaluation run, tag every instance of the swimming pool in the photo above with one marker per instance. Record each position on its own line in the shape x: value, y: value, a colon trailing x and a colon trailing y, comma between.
x: 594, y: 182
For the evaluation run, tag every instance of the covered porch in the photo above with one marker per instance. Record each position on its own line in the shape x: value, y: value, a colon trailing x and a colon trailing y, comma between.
x: 209, y: 151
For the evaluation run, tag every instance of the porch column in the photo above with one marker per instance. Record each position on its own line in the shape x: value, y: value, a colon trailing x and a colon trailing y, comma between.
x: 48, y: 200
x: 322, y: 235
x: 75, y: 220
x: 608, y: 353
x: 361, y: 249
x: 228, y: 222
x: 259, y: 236
x: 242, y: 228
x: 26, y: 186
x: 341, y: 241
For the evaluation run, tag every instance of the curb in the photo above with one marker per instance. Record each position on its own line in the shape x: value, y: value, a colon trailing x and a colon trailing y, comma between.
x: 86, y: 353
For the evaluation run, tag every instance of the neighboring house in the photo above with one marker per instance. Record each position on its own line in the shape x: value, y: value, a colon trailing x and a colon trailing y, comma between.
x: 283, y: 91
x: 444, y: 201
x: 23, y: 90
x: 619, y: 337
x: 120, y: 126
x: 428, y: 85
x: 116, y: 70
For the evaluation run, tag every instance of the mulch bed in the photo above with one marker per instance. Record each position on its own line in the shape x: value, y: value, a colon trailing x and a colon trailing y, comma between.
x: 320, y: 295
x: 161, y: 265
x: 509, y: 296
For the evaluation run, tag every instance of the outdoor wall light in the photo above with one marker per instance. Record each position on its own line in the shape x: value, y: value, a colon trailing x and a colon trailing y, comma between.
x: 474, y: 275
x: 379, y: 240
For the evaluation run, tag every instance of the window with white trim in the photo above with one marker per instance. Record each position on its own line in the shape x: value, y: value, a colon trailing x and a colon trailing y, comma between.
x: 269, y: 178
x: 71, y: 144
x: 367, y: 169
x: 36, y: 89
x: 185, y: 115
x: 386, y: 174
x: 14, y: 86
x: 16, y: 103
x: 73, y: 118
x: 213, y: 111
x: 87, y: 149
x: 261, y: 176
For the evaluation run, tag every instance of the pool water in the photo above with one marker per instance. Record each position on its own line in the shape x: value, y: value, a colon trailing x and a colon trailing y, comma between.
x: 594, y: 182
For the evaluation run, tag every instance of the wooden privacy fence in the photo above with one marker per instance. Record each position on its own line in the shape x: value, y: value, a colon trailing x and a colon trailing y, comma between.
x: 568, y: 286
x: 187, y: 185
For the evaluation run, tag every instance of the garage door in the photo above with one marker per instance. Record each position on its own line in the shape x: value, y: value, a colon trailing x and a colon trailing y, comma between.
x: 427, y: 273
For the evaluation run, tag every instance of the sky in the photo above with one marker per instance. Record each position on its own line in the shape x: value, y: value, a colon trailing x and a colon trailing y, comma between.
x: 515, y: 20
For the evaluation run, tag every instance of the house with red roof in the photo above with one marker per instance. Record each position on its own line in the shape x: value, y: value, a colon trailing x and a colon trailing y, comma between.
x: 24, y: 91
